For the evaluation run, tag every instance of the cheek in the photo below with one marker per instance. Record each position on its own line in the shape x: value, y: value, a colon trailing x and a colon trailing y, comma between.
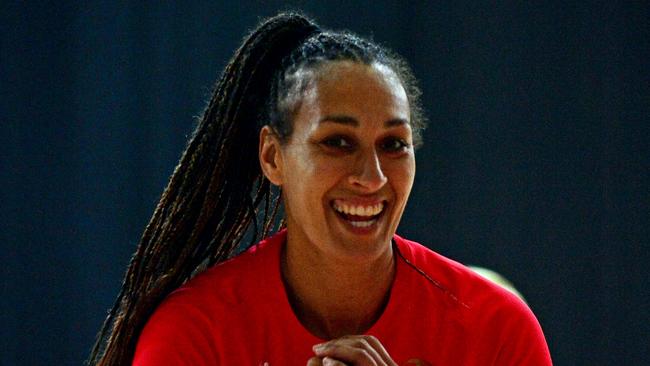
x: 401, y: 175
x: 308, y: 177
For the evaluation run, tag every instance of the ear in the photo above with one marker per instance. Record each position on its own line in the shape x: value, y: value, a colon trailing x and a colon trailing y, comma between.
x: 270, y: 155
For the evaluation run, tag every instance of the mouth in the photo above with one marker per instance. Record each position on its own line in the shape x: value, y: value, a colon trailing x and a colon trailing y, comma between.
x: 361, y: 217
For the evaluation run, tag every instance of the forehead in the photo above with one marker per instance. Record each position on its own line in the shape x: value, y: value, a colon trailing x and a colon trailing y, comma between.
x: 374, y: 91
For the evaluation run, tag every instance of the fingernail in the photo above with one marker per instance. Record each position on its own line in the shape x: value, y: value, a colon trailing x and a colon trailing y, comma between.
x: 318, y: 347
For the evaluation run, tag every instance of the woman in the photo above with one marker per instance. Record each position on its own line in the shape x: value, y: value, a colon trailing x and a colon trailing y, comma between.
x: 332, y: 120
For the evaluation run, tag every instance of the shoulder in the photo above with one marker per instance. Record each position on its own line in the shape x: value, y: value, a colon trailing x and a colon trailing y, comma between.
x: 185, y: 324
x: 234, y: 278
x: 226, y: 282
x: 465, y: 286
x: 497, y: 318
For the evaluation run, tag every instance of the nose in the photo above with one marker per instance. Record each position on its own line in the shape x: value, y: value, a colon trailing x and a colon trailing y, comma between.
x: 367, y: 173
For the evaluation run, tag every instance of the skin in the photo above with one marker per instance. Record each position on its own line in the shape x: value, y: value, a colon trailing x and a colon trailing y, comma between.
x: 351, y: 142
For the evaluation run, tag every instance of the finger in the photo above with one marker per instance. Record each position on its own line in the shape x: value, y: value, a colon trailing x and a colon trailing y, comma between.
x: 315, y: 361
x: 327, y: 361
x: 356, y: 352
x: 379, y: 348
x: 372, y: 346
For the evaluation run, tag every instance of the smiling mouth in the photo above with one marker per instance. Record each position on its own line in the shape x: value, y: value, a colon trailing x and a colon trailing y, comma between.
x: 359, y: 216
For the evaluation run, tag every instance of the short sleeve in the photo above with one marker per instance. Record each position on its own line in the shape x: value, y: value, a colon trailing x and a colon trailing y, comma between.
x: 522, y: 340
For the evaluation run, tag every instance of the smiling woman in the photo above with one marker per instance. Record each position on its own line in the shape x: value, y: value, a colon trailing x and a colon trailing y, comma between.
x: 333, y: 121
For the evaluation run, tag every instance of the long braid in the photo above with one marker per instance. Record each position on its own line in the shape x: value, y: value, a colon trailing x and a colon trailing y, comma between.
x: 200, y: 215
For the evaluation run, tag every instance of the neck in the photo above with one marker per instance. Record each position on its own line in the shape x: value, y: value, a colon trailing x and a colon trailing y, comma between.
x: 336, y: 297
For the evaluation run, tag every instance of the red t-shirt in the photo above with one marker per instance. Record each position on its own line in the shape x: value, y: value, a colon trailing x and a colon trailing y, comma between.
x: 439, y: 313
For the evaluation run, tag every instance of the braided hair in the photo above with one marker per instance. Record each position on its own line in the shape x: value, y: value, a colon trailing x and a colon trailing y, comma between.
x: 217, y: 192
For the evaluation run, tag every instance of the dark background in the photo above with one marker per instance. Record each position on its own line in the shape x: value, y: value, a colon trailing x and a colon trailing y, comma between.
x: 535, y: 163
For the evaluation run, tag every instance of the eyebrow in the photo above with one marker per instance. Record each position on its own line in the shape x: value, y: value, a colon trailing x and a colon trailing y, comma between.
x: 351, y: 121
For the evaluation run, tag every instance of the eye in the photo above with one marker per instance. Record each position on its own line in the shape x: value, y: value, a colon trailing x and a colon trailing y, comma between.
x: 337, y: 142
x: 394, y: 144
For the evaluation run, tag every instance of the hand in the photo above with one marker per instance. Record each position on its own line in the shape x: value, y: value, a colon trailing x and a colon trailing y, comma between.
x: 358, y: 350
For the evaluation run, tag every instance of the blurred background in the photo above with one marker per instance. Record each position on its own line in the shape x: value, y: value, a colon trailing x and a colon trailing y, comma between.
x: 535, y: 162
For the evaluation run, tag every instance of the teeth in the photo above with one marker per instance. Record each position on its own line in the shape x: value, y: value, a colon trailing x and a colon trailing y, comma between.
x: 363, y: 223
x: 358, y: 210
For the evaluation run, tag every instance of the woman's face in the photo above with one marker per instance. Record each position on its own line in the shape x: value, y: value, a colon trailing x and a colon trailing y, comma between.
x: 347, y: 169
